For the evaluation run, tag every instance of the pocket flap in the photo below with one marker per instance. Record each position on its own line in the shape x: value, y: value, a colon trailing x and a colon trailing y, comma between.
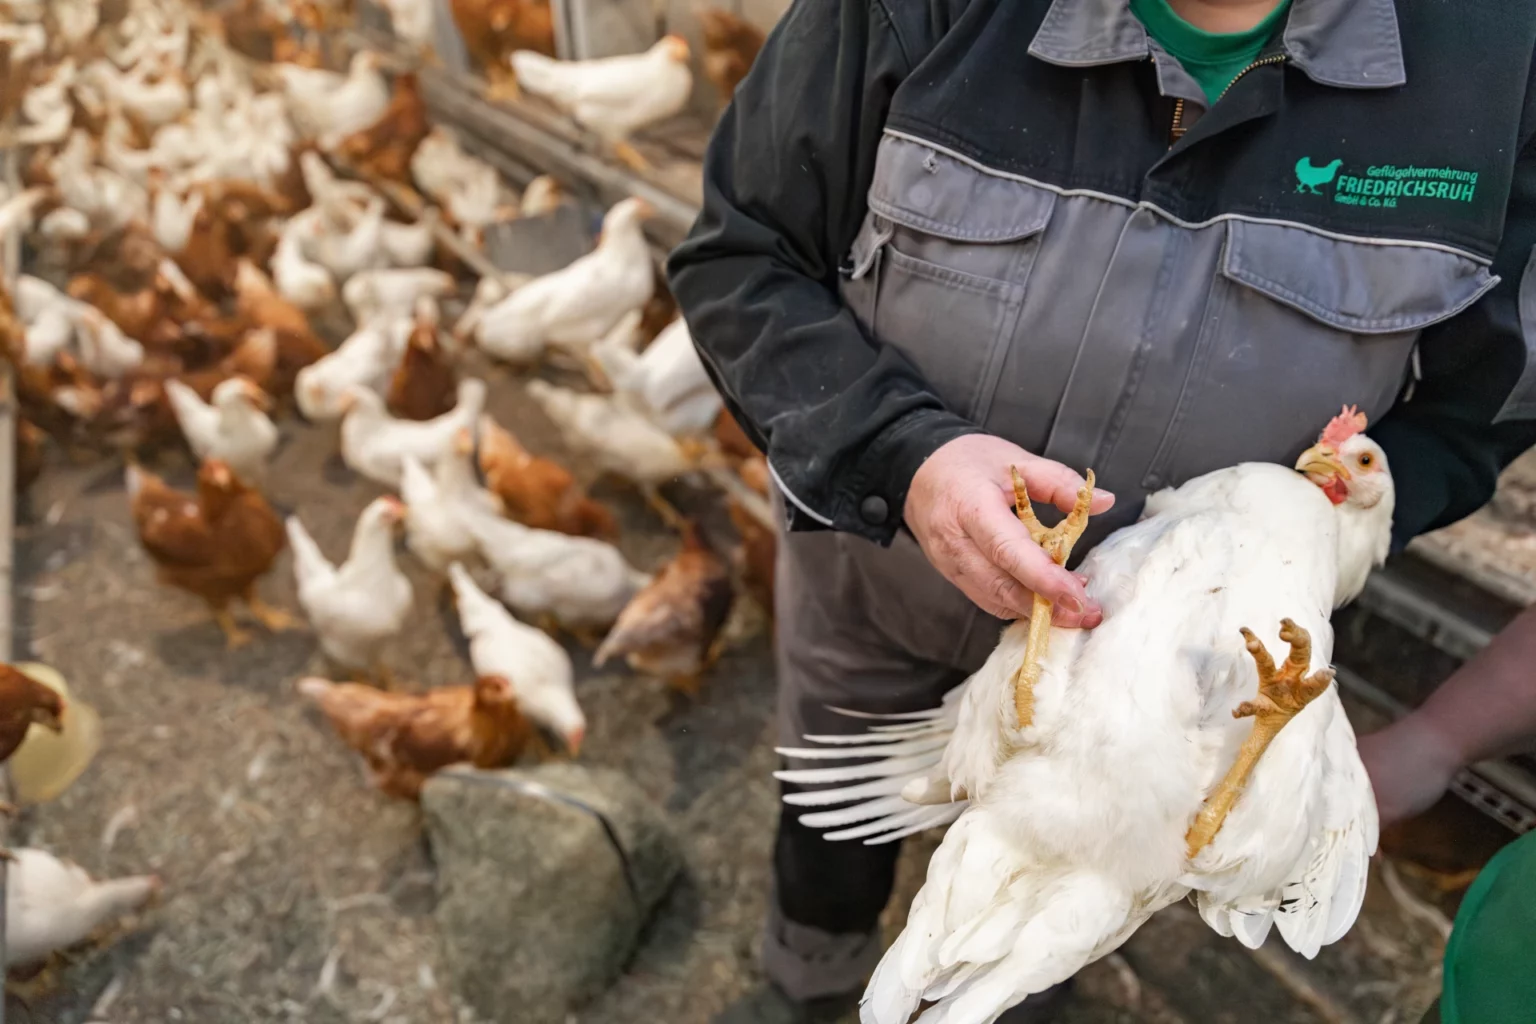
x: 921, y: 188
x: 1357, y: 286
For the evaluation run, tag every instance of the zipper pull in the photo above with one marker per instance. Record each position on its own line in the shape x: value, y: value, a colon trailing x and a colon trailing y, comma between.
x: 1177, y: 129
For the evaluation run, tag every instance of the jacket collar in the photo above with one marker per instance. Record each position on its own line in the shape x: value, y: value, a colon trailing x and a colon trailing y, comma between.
x: 1352, y: 44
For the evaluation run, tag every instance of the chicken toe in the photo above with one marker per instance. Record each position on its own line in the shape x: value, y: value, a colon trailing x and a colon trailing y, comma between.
x: 1283, y: 691
x: 275, y: 619
x: 632, y: 158
x: 234, y: 636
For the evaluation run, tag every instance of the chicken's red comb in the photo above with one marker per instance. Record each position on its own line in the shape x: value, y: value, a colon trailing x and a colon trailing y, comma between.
x: 1342, y: 427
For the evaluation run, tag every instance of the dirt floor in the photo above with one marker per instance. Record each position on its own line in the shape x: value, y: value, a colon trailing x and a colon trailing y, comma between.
x: 294, y: 892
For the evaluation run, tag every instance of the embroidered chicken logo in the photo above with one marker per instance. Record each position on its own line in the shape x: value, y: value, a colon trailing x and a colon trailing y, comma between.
x: 1309, y: 177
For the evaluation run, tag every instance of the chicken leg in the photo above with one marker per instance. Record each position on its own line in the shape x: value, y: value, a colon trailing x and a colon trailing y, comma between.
x: 502, y: 85
x: 632, y: 158
x: 274, y: 619
x: 1283, y: 692
x: 1057, y: 542
x: 234, y: 636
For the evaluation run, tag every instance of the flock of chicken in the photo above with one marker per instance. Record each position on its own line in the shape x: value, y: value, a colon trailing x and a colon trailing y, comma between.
x: 191, y: 223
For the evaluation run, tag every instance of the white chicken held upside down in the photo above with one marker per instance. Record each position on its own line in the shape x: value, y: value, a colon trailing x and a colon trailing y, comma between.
x: 1138, y: 778
x: 357, y: 606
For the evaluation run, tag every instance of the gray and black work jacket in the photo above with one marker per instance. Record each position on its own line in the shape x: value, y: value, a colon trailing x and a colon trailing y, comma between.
x: 924, y: 218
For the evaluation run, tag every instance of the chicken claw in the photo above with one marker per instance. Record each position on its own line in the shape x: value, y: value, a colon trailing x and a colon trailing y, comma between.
x: 272, y: 618
x: 234, y: 636
x: 502, y: 86
x: 1057, y: 542
x: 1283, y: 692
x: 632, y: 158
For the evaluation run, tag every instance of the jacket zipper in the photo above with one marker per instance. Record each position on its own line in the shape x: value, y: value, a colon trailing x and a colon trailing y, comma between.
x: 1177, y: 129
x: 1274, y: 58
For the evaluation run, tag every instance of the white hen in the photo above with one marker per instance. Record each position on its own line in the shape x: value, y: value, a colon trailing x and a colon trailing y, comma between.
x: 468, y: 187
x: 358, y: 249
x: 331, y: 106
x: 366, y: 359
x: 410, y: 245
x: 374, y: 443
x: 302, y: 282
x: 1100, y: 811
x: 104, y: 349
x: 576, y: 306
x: 613, y: 96
x: 441, y: 502
x: 393, y: 292
x: 577, y: 581
x: 357, y: 606
x: 668, y: 378
x: 233, y: 428
x: 618, y: 437
x: 539, y: 668
x: 52, y: 904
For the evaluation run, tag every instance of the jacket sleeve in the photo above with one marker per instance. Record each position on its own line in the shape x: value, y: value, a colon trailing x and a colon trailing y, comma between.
x: 1473, y: 410
x: 844, y: 420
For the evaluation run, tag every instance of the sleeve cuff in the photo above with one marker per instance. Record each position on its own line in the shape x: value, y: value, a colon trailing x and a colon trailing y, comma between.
x: 871, y: 501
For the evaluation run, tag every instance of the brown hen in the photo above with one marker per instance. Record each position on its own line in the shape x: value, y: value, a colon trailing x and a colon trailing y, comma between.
x: 137, y: 313
x: 29, y: 453
x: 424, y: 385
x: 733, y: 441
x: 670, y: 627
x: 24, y: 702
x: 257, y: 299
x: 757, y: 554
x: 384, y: 149
x: 538, y: 492
x: 493, y: 29
x: 405, y: 737
x: 215, y: 544
x: 731, y: 45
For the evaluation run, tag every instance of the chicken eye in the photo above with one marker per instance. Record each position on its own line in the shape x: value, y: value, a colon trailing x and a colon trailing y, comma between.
x: 1365, y: 460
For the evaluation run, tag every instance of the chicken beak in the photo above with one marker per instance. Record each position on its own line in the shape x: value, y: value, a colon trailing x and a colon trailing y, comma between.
x: 1321, y: 465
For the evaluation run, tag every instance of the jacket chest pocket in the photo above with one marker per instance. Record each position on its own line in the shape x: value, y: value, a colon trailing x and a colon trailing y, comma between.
x: 940, y: 267
x: 1298, y: 324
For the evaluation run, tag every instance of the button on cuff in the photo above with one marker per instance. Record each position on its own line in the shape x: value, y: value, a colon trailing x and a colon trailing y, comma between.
x: 874, y: 510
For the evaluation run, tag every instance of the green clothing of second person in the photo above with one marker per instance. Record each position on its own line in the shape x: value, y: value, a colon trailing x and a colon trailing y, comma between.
x: 1212, y: 59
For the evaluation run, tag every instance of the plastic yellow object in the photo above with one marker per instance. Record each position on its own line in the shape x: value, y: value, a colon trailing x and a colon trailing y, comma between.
x: 48, y: 762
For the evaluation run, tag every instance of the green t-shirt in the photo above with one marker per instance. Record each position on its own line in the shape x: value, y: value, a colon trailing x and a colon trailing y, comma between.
x: 1490, y: 962
x: 1213, y: 59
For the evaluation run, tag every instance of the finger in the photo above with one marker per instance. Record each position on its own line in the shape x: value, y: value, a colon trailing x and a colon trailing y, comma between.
x: 1007, y: 545
x: 992, y: 590
x: 1054, y: 484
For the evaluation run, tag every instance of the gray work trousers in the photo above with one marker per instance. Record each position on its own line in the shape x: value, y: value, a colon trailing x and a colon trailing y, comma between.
x: 868, y: 629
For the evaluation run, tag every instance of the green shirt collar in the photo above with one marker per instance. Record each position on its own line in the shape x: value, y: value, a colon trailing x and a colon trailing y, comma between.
x: 1193, y: 45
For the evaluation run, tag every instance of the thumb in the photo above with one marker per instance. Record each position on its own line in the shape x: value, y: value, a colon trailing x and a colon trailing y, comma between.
x: 1054, y: 484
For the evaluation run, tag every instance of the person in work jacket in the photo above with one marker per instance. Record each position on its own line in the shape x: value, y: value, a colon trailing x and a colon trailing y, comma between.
x: 1150, y: 237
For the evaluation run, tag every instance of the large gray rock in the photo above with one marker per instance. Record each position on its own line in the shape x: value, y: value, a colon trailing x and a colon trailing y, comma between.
x: 541, y: 900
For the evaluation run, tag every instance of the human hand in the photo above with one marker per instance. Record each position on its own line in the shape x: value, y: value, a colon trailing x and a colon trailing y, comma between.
x: 1410, y: 765
x: 960, y: 509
